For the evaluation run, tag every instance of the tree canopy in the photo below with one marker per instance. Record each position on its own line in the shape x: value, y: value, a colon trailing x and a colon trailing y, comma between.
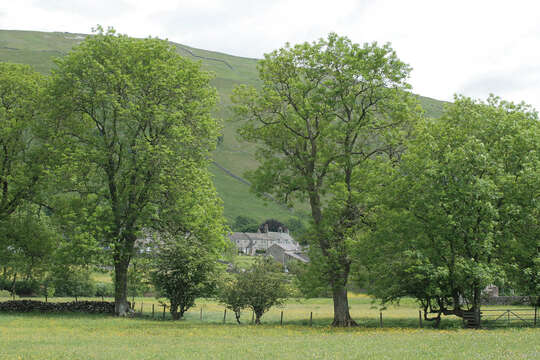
x: 326, y: 114
x: 131, y: 119
x: 460, y: 209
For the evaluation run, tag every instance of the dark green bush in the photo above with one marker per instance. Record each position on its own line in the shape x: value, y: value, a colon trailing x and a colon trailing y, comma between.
x: 22, y: 287
x: 27, y: 288
x: 68, y: 281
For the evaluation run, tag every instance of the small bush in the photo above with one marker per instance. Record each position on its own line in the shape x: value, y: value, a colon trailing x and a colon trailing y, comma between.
x: 104, y: 289
x: 72, y: 282
x: 27, y: 288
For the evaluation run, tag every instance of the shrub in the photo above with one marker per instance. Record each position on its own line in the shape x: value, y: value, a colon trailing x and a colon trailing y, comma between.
x: 258, y: 288
x: 27, y: 288
x: 69, y: 281
x: 104, y: 289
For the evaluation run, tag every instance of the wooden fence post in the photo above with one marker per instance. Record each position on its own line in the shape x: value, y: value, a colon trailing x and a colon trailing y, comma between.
x: 535, y: 313
x: 201, y: 314
x: 142, y: 303
x: 380, y: 319
x: 420, y: 318
x: 311, y: 318
x: 224, y: 315
x: 281, y: 319
x: 164, y: 311
x: 152, y: 311
x: 252, y: 317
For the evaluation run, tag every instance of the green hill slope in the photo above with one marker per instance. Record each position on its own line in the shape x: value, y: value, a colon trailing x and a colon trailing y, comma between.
x: 232, y: 157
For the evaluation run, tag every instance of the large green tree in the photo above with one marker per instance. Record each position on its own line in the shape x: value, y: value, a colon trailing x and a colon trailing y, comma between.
x: 132, y: 121
x: 326, y: 114
x: 26, y: 242
x: 460, y: 209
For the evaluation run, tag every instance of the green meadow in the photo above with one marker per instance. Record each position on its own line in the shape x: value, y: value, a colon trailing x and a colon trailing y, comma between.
x: 75, y: 336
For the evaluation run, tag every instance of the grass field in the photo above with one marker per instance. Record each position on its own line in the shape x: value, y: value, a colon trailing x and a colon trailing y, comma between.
x: 71, y: 336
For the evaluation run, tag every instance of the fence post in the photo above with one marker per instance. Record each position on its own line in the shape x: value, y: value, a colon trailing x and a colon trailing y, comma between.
x: 142, y: 303
x: 152, y: 311
x: 420, y: 318
x: 201, y: 314
x: 252, y: 317
x: 311, y: 318
x: 224, y: 315
x: 164, y: 311
x: 535, y: 313
x: 281, y: 319
x: 380, y: 319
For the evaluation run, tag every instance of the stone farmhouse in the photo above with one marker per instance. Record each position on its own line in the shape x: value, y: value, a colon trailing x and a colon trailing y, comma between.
x: 280, y: 245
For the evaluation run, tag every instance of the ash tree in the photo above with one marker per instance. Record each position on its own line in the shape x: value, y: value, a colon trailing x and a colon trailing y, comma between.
x: 460, y: 211
x: 27, y: 242
x: 326, y: 114
x: 23, y: 155
x: 131, y: 120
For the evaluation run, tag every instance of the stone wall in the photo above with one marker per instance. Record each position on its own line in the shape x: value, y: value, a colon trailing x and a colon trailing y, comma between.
x: 91, y: 307
x: 506, y: 300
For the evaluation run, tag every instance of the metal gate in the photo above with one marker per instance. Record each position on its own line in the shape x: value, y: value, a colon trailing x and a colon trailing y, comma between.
x: 509, y: 317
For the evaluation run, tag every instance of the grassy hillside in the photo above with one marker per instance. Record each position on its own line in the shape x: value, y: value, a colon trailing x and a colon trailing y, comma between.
x: 40, y: 48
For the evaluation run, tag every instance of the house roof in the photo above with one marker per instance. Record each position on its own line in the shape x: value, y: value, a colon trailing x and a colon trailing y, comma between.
x: 269, y: 236
x: 287, y: 247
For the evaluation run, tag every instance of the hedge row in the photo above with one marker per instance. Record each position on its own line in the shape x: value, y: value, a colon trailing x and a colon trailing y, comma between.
x: 92, y: 307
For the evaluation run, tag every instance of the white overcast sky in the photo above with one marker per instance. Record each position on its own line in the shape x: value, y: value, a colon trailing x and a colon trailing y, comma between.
x: 472, y: 47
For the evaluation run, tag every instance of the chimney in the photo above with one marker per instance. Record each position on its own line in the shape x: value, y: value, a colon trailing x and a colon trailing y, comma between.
x: 266, y: 228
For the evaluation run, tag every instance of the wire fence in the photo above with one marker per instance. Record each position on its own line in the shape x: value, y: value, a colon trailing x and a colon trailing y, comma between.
x: 313, y: 314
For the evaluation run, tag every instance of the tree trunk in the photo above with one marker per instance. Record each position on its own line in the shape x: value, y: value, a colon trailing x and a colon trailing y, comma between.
x: 237, y: 316
x: 175, y: 314
x: 257, y: 318
x: 13, y: 286
x: 342, y: 317
x: 121, y: 305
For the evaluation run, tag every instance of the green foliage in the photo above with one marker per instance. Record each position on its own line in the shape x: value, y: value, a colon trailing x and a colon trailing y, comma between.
x: 308, y: 280
x: 273, y: 225
x: 72, y: 281
x: 458, y: 208
x: 245, y: 224
x: 326, y: 115
x: 22, y: 154
x: 132, y: 123
x: 28, y: 245
x: 258, y: 288
x: 104, y: 289
x: 184, y: 270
